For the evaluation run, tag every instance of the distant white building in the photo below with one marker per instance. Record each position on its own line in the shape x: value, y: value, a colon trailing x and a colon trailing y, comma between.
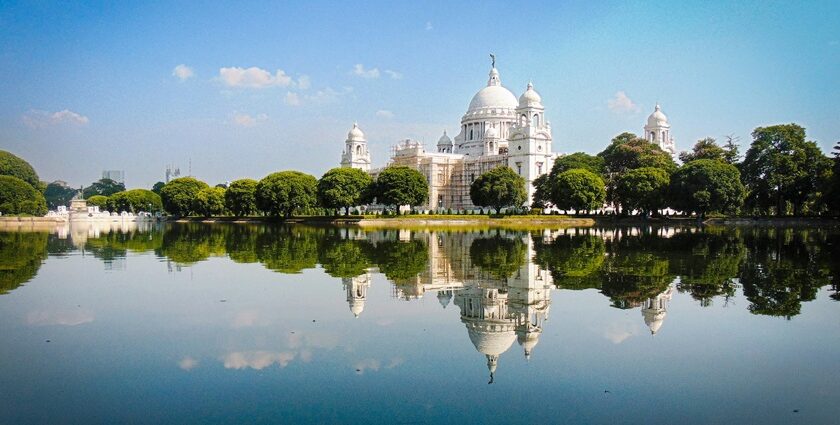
x: 658, y: 130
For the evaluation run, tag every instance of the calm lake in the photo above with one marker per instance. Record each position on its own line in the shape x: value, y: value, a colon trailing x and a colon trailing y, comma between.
x: 221, y: 323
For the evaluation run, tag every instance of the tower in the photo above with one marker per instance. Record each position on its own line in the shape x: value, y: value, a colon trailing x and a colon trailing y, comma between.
x: 529, y: 147
x: 356, y: 153
x: 356, y: 288
x: 658, y: 130
x: 444, y: 144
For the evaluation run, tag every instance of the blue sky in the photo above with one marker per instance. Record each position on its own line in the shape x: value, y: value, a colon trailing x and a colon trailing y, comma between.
x: 268, y: 86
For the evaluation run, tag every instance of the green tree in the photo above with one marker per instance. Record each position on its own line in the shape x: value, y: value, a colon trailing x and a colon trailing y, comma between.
x: 542, y: 192
x: 286, y: 249
x: 399, y: 260
x: 18, y: 197
x: 178, y: 195
x: 644, y: 189
x: 400, y: 185
x: 592, y: 163
x: 104, y: 187
x: 782, y: 167
x: 731, y: 155
x: 158, y: 187
x: 627, y: 152
x: 706, y: 185
x: 210, y: 201
x: 342, y: 257
x: 11, y: 165
x: 498, y: 188
x: 573, y: 260
x: 705, y: 149
x: 57, y: 194
x: 344, y: 188
x: 579, y: 190
x: 100, y: 201
x: 241, y: 197
x: 135, y: 200
x: 283, y: 192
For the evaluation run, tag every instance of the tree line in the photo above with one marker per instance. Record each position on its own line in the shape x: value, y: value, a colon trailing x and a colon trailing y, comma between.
x: 780, y: 174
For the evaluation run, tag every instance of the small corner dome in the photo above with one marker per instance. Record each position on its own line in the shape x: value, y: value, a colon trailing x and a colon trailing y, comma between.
x: 657, y: 118
x: 355, y: 134
x: 530, y: 97
x: 444, y: 140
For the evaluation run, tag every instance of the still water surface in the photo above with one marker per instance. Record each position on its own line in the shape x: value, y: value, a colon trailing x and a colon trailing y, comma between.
x: 249, y: 323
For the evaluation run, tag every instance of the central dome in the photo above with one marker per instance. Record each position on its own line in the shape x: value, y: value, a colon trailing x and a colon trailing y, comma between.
x: 494, y: 96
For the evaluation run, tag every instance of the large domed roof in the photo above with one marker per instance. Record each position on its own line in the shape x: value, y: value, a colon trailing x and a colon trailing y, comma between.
x: 494, y: 96
x: 491, y: 343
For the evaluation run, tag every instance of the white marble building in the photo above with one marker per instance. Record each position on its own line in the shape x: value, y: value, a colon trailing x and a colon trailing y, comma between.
x: 496, y: 130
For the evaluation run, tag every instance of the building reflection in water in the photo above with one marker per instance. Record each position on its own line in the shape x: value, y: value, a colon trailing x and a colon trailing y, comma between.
x: 503, y: 296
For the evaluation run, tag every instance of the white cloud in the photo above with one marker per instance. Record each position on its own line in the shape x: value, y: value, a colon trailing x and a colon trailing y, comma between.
x: 394, y: 74
x: 37, y: 119
x: 253, y: 77
x: 71, y: 317
x: 429, y: 26
x: 621, y: 103
x: 245, y: 120
x: 384, y: 113
x: 303, y: 82
x: 183, y: 72
x: 359, y: 70
x: 292, y: 99
x: 329, y: 95
x: 617, y: 332
x: 374, y: 365
x: 257, y: 360
x: 188, y: 363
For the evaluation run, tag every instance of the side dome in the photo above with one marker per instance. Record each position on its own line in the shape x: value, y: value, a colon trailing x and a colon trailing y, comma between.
x: 657, y: 118
x: 491, y: 133
x: 494, y: 96
x: 355, y: 134
x: 530, y: 98
x: 444, y: 140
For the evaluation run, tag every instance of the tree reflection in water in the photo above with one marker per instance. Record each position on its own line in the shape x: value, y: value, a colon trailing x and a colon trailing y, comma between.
x: 500, y: 280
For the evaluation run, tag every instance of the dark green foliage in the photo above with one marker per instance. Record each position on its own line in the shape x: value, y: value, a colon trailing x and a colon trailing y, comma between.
x: 401, y: 261
x: 542, y: 192
x: 209, y: 201
x: 578, y: 189
x: 21, y: 255
x: 241, y: 197
x: 284, y: 192
x: 288, y: 249
x: 344, y: 188
x: 158, y: 187
x: 343, y: 257
x: 628, y: 152
x: 179, y: 195
x: 135, y: 200
x: 782, y: 168
x: 706, y: 185
x: 498, y: 188
x: 644, y: 189
x: 399, y: 185
x: 498, y: 256
x: 104, y: 187
x: 57, y: 194
x: 11, y: 165
x: 592, y: 163
x: 18, y: 197
x: 98, y: 201
x: 573, y: 260
x: 706, y: 149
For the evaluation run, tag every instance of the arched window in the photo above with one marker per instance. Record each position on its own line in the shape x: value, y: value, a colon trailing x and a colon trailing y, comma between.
x: 523, y: 119
x: 536, y: 120
x: 471, y: 134
x: 358, y: 149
